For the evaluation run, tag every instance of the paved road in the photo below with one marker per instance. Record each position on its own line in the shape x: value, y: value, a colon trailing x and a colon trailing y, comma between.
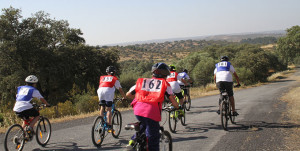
x: 259, y: 125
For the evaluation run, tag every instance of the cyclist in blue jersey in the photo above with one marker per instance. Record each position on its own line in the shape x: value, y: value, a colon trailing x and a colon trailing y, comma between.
x: 223, y: 78
x: 25, y: 94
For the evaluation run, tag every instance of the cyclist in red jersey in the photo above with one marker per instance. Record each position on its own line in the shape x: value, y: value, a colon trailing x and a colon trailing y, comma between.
x: 106, y: 92
x: 149, y: 94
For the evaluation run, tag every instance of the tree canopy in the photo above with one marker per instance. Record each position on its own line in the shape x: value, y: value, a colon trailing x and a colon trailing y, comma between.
x: 52, y: 51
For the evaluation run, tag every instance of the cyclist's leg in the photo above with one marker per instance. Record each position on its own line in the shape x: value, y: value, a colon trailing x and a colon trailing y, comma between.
x: 102, y: 106
x: 180, y: 97
x: 109, y: 115
x: 221, y: 87
x: 152, y: 132
x: 229, y: 89
x: 29, y: 113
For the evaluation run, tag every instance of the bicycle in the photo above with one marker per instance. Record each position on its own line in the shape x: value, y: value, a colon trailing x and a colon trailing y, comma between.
x: 100, y: 126
x: 16, y: 136
x: 141, y: 143
x: 226, y: 112
x: 187, y: 102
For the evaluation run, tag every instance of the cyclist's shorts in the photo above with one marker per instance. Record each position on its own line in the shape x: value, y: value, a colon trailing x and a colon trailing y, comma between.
x: 228, y: 86
x: 105, y: 103
x: 179, y: 95
x: 184, y: 89
x: 28, y: 113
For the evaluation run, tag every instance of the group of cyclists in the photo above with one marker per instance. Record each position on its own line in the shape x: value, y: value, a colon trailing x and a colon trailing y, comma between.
x: 147, y: 94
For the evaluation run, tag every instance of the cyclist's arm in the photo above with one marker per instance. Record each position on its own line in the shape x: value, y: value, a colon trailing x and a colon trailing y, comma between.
x: 37, y: 94
x: 118, y: 86
x: 237, y: 78
x: 122, y: 93
x: 131, y: 93
x: 44, y: 101
x: 234, y: 74
x: 174, y: 102
x: 215, y: 78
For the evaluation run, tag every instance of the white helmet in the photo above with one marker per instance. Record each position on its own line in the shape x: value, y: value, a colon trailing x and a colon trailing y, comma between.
x: 31, y: 79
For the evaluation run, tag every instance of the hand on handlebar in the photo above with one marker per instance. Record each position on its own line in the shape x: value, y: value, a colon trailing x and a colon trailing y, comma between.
x: 238, y: 85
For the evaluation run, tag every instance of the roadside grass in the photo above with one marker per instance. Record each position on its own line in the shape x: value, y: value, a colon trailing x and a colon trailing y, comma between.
x: 195, y: 92
x: 293, y: 114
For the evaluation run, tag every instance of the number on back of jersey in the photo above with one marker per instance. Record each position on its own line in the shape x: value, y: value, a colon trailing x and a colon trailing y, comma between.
x: 172, y: 75
x: 107, y: 79
x: 152, y: 85
x: 222, y: 64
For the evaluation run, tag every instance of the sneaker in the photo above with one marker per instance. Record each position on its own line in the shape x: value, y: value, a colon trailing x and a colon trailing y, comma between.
x: 130, y: 145
x: 218, y: 112
x: 109, y: 129
x: 235, y: 113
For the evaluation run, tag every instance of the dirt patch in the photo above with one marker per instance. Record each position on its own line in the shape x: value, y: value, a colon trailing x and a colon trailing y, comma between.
x: 292, y: 116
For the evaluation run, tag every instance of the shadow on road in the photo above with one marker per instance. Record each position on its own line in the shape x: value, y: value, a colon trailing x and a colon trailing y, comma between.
x: 72, y: 146
x: 247, y: 126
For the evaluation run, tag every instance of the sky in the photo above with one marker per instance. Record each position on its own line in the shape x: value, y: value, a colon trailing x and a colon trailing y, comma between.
x: 104, y: 22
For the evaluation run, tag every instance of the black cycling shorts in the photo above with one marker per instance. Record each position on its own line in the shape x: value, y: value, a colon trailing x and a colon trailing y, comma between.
x: 228, y: 86
x: 179, y: 95
x: 185, y: 89
x: 28, y: 113
x: 105, y: 103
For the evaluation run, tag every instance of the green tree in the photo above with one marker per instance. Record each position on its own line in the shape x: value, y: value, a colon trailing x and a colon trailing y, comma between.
x: 289, y: 46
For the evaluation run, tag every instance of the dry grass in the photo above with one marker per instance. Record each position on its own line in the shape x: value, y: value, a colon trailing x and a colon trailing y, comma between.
x: 293, y: 113
x: 69, y: 118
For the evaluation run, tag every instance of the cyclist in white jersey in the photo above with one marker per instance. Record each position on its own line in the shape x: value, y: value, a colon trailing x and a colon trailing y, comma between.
x: 106, y: 92
x: 25, y: 94
x: 173, y: 79
x: 185, y: 76
x: 223, y: 79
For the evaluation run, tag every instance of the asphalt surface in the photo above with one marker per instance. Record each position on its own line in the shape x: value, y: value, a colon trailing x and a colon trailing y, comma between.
x: 259, y: 126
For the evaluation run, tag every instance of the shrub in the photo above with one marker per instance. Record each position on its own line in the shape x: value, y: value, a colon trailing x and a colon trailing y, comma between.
x: 86, y: 103
x: 65, y: 108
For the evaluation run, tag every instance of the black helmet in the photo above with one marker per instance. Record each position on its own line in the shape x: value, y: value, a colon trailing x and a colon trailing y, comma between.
x: 110, y: 70
x: 185, y: 70
x: 224, y: 58
x: 160, y: 70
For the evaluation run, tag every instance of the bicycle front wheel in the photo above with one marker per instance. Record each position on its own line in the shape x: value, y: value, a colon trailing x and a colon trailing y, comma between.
x: 116, y: 124
x: 98, y: 131
x: 188, y: 103
x: 165, y: 142
x: 14, y: 138
x: 172, y: 121
x: 43, y: 131
x: 224, y: 114
x: 182, y: 118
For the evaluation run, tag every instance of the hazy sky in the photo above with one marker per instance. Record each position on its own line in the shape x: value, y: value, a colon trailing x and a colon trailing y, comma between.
x: 117, y: 21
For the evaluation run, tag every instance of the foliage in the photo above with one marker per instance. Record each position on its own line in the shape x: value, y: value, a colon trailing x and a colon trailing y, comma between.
x: 260, y: 40
x: 86, y: 103
x: 52, y: 51
x: 289, y: 46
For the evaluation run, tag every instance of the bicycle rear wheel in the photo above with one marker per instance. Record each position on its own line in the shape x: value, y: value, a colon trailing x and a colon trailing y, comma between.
x: 116, y: 124
x: 224, y: 114
x: 165, y: 142
x: 14, y: 138
x: 43, y: 131
x: 172, y: 121
x: 98, y: 131
x: 231, y: 117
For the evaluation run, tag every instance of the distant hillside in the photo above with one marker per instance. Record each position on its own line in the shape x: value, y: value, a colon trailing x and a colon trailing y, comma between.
x: 237, y: 37
x: 174, y: 49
